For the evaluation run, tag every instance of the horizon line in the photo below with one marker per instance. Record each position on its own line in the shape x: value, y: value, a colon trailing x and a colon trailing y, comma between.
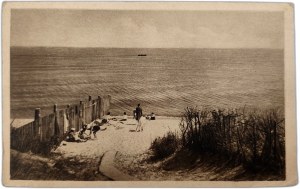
x: 17, y: 46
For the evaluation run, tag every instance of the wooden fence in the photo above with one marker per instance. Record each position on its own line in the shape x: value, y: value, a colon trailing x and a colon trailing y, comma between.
x: 44, y: 133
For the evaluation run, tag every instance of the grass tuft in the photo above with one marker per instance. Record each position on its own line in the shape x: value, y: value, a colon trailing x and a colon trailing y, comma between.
x: 165, y: 146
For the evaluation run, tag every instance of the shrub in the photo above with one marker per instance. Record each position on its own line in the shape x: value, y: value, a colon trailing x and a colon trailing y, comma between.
x: 165, y: 146
x: 255, y: 138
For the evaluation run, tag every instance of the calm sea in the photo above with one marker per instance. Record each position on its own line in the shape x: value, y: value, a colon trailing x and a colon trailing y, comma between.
x: 164, y: 82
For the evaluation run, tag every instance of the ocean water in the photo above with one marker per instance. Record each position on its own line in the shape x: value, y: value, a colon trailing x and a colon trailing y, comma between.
x: 164, y: 82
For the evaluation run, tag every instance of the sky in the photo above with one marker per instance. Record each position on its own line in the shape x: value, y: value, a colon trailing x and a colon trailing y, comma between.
x: 147, y: 29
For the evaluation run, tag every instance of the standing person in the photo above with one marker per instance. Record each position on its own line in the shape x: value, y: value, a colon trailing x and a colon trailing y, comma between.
x: 138, y: 115
x: 138, y: 112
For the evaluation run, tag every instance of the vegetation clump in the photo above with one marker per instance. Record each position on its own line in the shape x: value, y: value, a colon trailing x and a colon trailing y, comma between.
x: 253, y: 139
x: 165, y: 146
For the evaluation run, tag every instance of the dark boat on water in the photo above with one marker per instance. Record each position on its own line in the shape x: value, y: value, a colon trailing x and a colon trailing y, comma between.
x: 142, y: 55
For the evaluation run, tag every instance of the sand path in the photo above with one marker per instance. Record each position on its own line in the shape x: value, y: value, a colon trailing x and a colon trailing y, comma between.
x: 121, y: 137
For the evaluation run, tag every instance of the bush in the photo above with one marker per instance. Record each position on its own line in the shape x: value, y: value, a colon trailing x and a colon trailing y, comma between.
x: 255, y: 138
x: 165, y: 146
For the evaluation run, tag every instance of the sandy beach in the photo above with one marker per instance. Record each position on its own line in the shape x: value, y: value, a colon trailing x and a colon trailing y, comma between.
x: 16, y: 123
x: 121, y: 137
x: 80, y: 161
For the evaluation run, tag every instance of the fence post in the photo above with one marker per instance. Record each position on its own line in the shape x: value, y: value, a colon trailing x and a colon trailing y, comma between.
x: 55, y: 108
x: 81, y: 113
x: 102, y: 113
x: 89, y: 116
x: 67, y: 124
x: 56, y: 126
x: 106, y: 105
x: 37, y: 120
x: 80, y: 109
x: 37, y: 113
x: 93, y: 110
x: 67, y: 110
x: 99, y: 107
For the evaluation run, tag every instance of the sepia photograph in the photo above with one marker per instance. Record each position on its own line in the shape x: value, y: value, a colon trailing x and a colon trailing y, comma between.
x: 140, y: 91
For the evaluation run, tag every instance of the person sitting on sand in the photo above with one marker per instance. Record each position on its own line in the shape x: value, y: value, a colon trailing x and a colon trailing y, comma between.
x: 108, y: 117
x: 124, y: 117
x: 96, y: 127
x: 152, y: 116
x: 73, y: 136
x: 148, y: 116
x: 82, y: 133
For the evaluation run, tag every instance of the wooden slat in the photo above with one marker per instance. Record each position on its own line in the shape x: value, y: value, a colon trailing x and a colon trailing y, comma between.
x: 44, y: 128
x: 51, y: 125
x: 61, y: 122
